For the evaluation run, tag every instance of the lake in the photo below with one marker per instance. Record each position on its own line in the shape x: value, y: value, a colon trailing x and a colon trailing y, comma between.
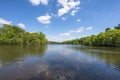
x: 59, y: 62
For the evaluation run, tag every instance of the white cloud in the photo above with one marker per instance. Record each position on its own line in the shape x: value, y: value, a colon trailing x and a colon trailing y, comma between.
x: 3, y: 21
x: 67, y: 6
x: 63, y: 18
x: 72, y: 34
x: 44, y: 19
x: 54, y: 38
x: 73, y: 4
x: 59, y: 38
x: 63, y: 11
x: 65, y: 34
x: 89, y: 28
x: 53, y: 15
x: 73, y: 12
x: 78, y: 20
x: 79, y: 30
x: 21, y: 25
x: 38, y: 2
x: 72, y: 31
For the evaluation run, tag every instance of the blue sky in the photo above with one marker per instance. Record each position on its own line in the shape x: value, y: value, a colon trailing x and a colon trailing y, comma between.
x: 61, y: 19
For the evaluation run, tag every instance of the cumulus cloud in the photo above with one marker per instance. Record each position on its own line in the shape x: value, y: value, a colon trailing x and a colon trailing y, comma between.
x: 60, y: 38
x: 79, y: 30
x: 21, y: 25
x: 53, y: 15
x: 78, y: 20
x: 44, y: 19
x: 38, y: 2
x: 65, y: 34
x: 73, y: 12
x: 54, y: 38
x: 89, y: 28
x: 63, y: 18
x: 67, y: 6
x: 3, y: 21
x: 72, y: 34
x: 63, y: 11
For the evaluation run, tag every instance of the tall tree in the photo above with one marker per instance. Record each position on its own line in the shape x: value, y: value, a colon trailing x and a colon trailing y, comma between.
x: 14, y: 35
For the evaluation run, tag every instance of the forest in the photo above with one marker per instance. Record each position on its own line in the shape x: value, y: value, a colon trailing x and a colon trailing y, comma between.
x: 110, y: 38
x: 13, y: 35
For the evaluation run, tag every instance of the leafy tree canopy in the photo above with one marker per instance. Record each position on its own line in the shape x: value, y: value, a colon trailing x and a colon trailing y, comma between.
x: 10, y: 34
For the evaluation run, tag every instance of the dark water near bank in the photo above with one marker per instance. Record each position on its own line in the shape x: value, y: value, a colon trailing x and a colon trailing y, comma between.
x: 59, y: 62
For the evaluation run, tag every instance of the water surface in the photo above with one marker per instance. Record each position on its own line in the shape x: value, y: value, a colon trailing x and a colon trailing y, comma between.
x: 59, y: 62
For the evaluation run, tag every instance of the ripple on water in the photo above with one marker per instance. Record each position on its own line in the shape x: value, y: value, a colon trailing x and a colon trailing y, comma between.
x: 60, y: 62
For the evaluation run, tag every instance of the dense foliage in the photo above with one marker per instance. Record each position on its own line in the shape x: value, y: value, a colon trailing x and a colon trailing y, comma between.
x: 53, y: 42
x: 14, y: 35
x: 111, y: 37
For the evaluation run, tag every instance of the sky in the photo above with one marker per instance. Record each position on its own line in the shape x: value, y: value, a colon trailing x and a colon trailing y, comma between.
x: 61, y: 20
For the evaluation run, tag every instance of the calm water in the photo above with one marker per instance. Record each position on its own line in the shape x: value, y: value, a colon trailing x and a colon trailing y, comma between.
x: 59, y: 62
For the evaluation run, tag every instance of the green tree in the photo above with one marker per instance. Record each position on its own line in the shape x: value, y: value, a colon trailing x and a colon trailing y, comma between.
x: 14, y: 35
x: 108, y: 38
x: 107, y: 29
x: 117, y: 27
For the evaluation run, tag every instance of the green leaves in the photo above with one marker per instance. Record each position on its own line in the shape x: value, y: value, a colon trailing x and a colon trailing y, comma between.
x: 108, y: 38
x: 14, y: 35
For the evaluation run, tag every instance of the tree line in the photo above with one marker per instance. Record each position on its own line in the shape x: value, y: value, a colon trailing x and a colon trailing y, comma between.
x: 10, y: 34
x: 111, y: 38
x: 53, y: 42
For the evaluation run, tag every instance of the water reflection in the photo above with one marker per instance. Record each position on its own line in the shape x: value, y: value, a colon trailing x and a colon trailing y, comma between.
x: 109, y: 55
x: 60, y: 62
x: 12, y: 53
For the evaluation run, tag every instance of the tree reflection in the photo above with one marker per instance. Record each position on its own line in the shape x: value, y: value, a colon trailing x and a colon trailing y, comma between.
x: 106, y: 54
x: 12, y: 53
